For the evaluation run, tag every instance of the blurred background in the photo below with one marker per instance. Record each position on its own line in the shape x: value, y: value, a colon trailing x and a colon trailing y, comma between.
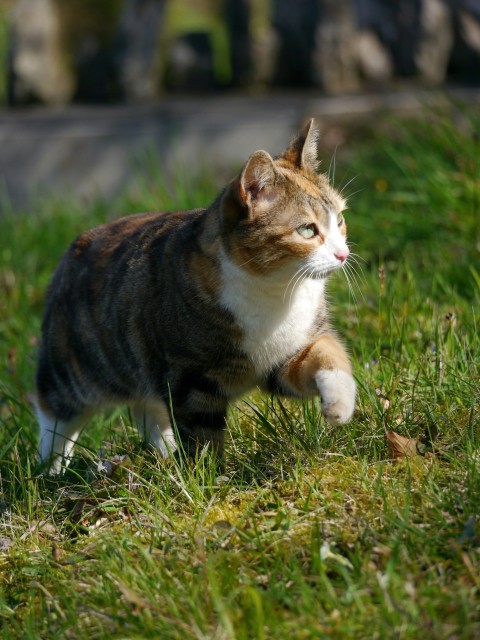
x: 87, y: 85
x: 63, y: 51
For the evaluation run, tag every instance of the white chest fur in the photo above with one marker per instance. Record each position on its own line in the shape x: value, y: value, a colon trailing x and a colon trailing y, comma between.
x: 276, y: 323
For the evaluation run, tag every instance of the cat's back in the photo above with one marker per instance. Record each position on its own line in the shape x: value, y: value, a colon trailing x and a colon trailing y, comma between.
x: 101, y: 258
x: 121, y: 238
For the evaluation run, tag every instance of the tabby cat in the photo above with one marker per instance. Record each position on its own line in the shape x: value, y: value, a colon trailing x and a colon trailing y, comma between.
x: 176, y: 314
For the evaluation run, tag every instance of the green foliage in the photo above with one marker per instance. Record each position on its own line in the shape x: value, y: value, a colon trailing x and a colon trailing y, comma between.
x: 313, y: 531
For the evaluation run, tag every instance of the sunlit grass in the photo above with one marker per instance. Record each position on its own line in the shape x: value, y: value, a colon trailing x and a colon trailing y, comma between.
x: 312, y: 531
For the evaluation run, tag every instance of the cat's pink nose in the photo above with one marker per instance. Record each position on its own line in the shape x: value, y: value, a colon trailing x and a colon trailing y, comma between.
x: 342, y: 254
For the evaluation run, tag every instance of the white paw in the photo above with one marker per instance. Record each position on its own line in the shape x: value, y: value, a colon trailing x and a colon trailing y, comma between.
x: 337, y: 390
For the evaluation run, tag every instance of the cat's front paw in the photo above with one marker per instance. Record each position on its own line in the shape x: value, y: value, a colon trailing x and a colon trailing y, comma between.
x: 337, y: 390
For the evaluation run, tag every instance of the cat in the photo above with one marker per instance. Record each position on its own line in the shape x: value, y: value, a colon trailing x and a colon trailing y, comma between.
x: 177, y: 314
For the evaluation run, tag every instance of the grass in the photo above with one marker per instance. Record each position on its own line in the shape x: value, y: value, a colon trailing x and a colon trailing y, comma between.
x: 314, y: 531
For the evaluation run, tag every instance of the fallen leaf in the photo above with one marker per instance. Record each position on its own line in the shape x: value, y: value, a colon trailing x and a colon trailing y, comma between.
x: 400, y: 447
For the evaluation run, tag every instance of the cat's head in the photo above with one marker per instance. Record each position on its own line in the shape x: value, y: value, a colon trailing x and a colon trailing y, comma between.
x: 280, y: 215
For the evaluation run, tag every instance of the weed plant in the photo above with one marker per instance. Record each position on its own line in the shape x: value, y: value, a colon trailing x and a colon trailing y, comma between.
x: 313, y: 531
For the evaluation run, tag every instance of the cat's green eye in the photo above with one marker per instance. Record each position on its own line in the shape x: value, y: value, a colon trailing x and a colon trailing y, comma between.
x: 307, y: 231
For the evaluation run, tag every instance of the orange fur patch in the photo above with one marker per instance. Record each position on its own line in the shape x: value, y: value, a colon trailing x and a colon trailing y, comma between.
x: 326, y: 353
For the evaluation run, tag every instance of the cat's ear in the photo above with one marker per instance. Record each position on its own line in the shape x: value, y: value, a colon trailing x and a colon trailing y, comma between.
x: 302, y: 152
x: 257, y: 178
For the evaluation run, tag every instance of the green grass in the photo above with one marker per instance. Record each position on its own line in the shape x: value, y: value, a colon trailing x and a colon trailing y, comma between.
x: 314, y: 532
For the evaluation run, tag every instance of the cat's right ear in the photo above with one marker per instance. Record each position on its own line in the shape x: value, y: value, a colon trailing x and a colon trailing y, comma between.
x: 257, y: 179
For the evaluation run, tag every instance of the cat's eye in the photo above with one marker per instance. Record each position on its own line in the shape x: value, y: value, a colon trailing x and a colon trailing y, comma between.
x: 340, y: 219
x: 307, y: 231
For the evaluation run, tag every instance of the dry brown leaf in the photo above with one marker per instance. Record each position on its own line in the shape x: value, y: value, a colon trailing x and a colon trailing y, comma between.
x: 400, y: 447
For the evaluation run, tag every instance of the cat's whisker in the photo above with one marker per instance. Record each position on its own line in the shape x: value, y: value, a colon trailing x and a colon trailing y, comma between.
x: 353, y: 264
x: 351, y: 277
x: 291, y: 279
x: 357, y: 256
x: 347, y: 196
x: 298, y: 276
x: 356, y: 259
x: 350, y: 287
x: 353, y: 283
x: 357, y: 267
x: 346, y: 271
x: 342, y: 188
x: 305, y: 273
x: 299, y: 270
x: 304, y: 276
x: 359, y: 281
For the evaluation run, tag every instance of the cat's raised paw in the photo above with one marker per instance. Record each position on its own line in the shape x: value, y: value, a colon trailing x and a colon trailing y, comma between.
x: 337, y: 390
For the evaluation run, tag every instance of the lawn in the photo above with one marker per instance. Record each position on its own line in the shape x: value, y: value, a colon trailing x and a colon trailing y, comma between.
x: 313, y: 531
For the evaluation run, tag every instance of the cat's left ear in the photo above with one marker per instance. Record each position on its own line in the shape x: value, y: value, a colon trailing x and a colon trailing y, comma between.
x: 302, y: 152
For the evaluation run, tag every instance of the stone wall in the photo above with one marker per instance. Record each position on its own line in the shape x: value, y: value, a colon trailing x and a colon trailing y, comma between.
x: 61, y: 51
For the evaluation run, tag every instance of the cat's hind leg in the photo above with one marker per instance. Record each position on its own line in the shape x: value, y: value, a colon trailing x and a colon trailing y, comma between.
x: 154, y: 425
x: 57, y: 438
x: 199, y: 429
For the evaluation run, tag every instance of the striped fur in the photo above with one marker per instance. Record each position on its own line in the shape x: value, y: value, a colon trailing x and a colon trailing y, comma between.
x: 189, y: 310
